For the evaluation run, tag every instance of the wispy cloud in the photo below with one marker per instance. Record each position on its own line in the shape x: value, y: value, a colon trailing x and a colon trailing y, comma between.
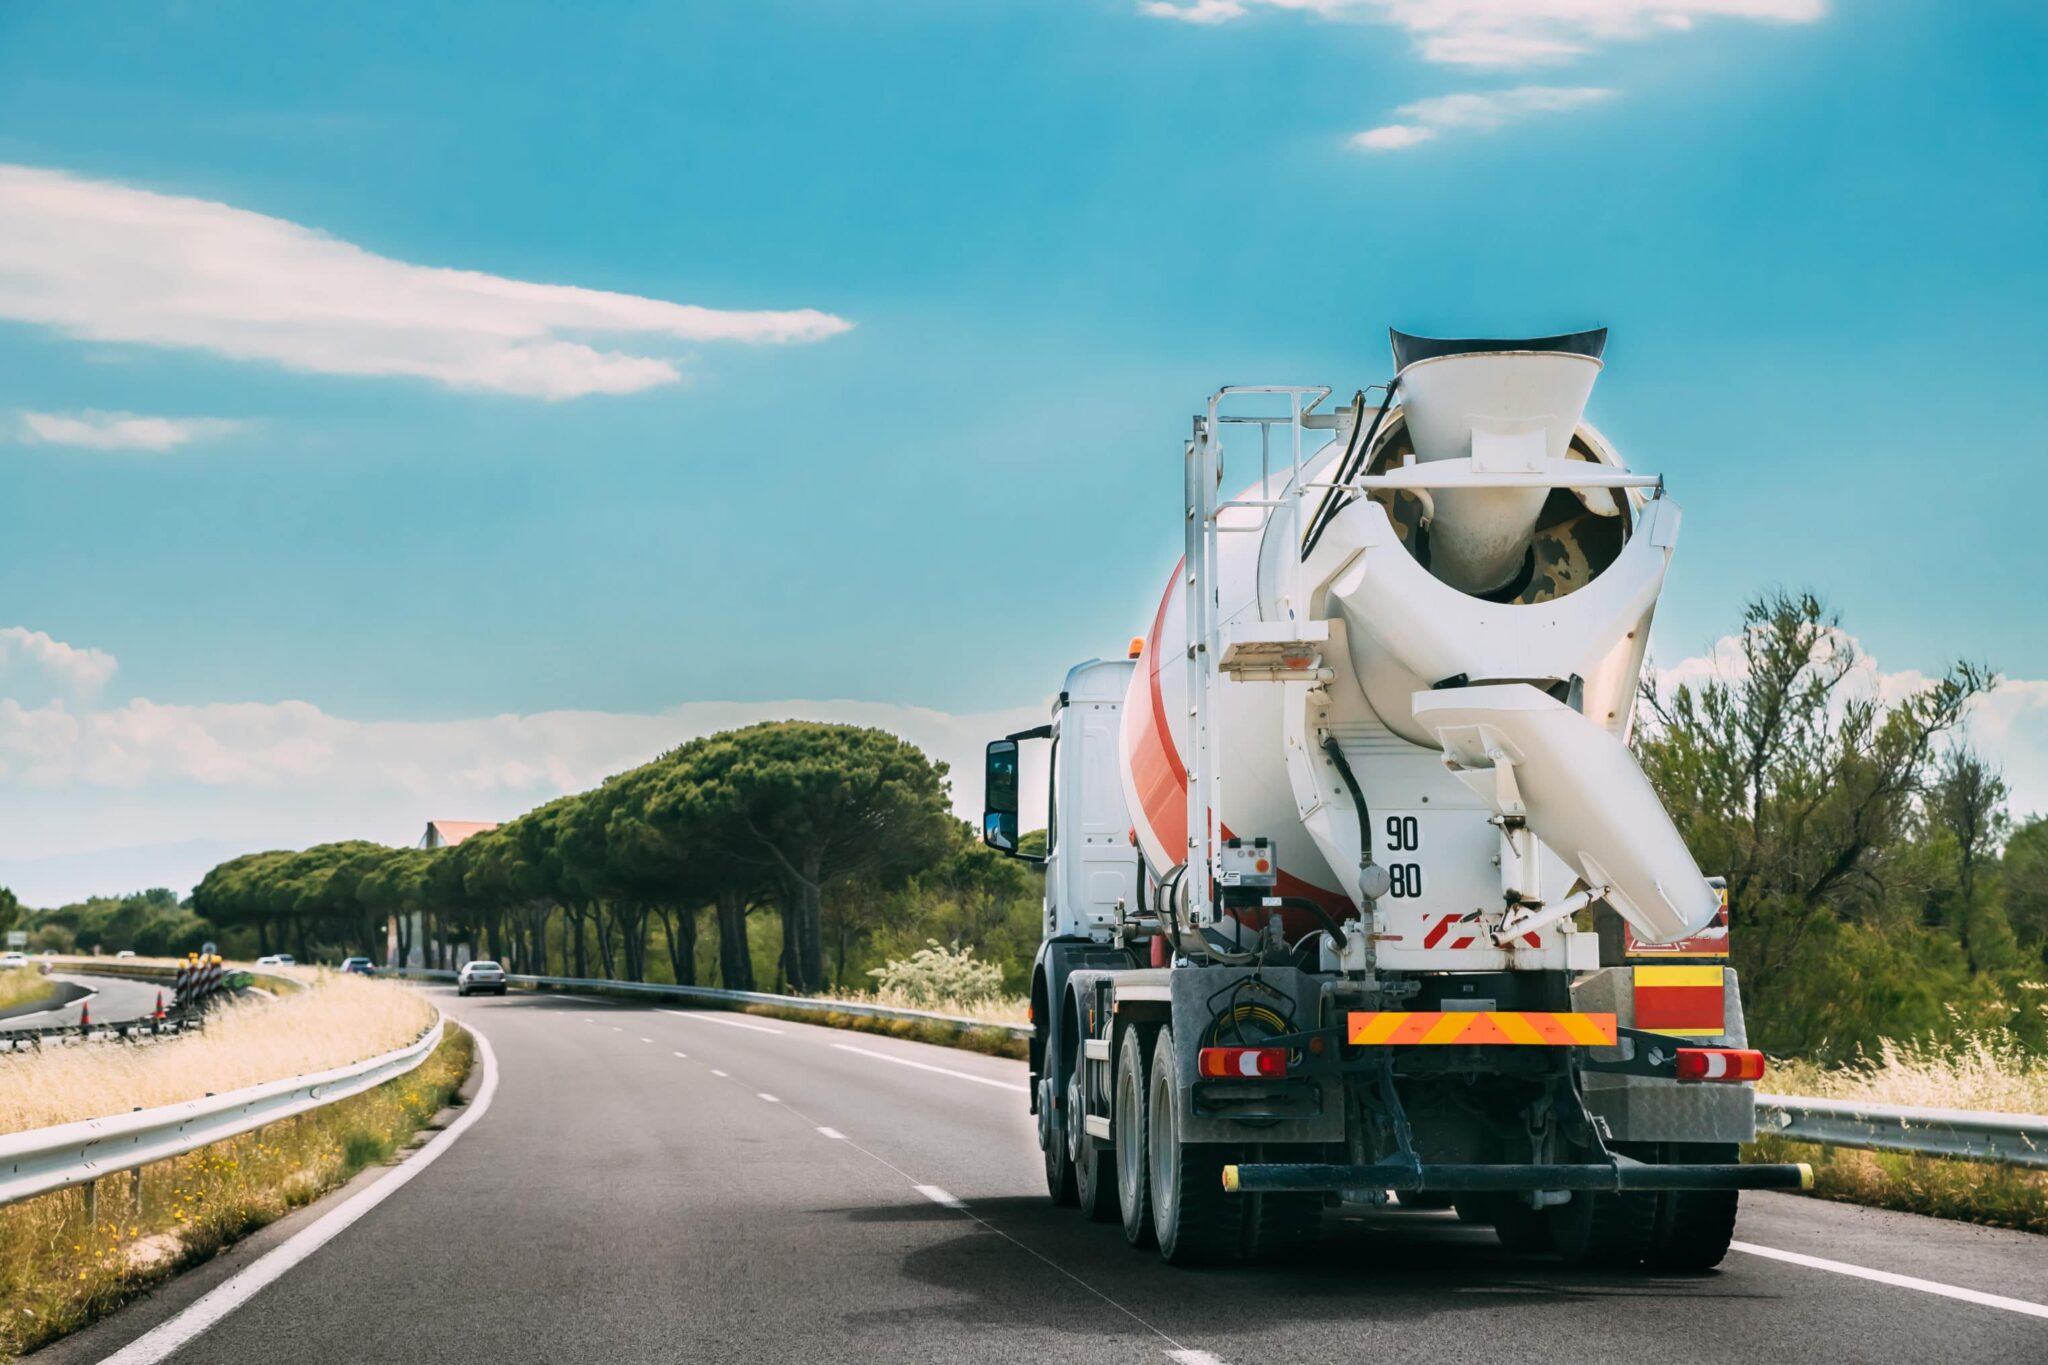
x: 83, y: 671
x: 1473, y: 111
x: 102, y: 261
x: 1507, y: 33
x: 120, y: 430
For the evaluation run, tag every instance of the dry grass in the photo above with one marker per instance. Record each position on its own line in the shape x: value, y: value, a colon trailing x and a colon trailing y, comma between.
x: 19, y: 985
x: 1987, y: 1072
x: 336, y: 1020
x: 1001, y: 1009
x: 60, y: 1270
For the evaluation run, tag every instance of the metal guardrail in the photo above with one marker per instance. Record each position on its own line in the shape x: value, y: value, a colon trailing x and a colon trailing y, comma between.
x: 804, y: 1003
x: 45, y: 1159
x: 2011, y: 1139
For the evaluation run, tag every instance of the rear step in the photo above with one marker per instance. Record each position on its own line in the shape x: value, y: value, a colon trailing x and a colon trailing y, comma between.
x: 1273, y: 1177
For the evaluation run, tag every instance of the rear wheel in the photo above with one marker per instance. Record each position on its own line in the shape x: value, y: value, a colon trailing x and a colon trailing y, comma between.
x: 1277, y: 1225
x: 1133, y: 1172
x: 1519, y: 1227
x: 1694, y: 1227
x: 1052, y: 1137
x: 1094, y: 1164
x: 1605, y: 1228
x: 1196, y: 1222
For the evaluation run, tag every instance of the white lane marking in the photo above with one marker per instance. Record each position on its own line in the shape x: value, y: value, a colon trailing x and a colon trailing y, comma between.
x: 717, y: 1072
x: 939, y: 1196
x: 941, y: 1070
x: 617, y: 1029
x: 834, y: 1134
x: 705, y: 1018
x: 646, y: 1040
x: 1193, y: 1358
x: 684, y: 1055
x: 209, y: 1308
x: 768, y: 1097
x: 1947, y: 1291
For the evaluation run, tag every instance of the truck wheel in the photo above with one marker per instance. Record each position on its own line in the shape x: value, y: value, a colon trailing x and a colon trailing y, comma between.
x: 1278, y: 1226
x: 1604, y: 1228
x: 1694, y: 1227
x: 1196, y: 1222
x: 1133, y: 1172
x: 1519, y: 1227
x: 1052, y: 1138
x: 1094, y: 1165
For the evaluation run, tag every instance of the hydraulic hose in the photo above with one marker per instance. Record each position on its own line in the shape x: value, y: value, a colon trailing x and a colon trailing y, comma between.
x: 1327, y: 509
x: 1329, y: 924
x: 1343, y: 765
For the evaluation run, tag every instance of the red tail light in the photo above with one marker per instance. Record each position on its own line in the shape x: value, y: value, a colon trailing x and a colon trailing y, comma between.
x: 1238, y: 1062
x: 1720, y: 1064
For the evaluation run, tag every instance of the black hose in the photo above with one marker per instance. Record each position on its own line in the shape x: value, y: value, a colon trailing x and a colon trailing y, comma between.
x: 1336, y: 753
x: 1330, y: 506
x: 1329, y: 924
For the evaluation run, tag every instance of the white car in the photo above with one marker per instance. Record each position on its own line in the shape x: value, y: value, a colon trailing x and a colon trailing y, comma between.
x: 275, y: 960
x: 480, y: 977
x: 13, y: 959
x: 125, y: 952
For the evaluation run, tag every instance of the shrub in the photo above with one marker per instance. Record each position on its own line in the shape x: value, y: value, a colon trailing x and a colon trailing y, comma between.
x: 937, y: 974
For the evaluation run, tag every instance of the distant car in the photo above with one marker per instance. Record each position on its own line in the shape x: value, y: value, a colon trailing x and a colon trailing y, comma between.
x: 13, y: 959
x: 358, y: 966
x: 275, y: 960
x: 125, y: 952
x: 480, y: 978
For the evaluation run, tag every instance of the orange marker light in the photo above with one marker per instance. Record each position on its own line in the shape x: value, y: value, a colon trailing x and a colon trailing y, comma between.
x: 1137, y: 647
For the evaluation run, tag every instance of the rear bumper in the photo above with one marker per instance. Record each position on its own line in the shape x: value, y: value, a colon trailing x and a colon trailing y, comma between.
x: 1624, y: 1175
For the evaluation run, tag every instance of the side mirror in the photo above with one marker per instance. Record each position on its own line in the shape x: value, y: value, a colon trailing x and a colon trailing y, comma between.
x: 999, y: 796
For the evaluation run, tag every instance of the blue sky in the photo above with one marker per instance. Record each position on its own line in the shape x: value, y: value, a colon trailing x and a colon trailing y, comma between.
x: 311, y: 540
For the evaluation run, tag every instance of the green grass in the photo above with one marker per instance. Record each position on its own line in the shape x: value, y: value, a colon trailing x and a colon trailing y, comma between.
x: 60, y: 1270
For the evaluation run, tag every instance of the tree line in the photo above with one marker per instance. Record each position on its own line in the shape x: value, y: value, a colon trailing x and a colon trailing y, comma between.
x: 844, y: 834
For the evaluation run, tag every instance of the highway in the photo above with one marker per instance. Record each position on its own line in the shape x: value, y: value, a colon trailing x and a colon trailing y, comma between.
x: 114, y: 1000
x: 651, y: 1186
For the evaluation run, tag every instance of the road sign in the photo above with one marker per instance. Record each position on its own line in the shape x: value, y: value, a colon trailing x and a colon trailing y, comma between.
x: 17, y: 938
x: 207, y: 949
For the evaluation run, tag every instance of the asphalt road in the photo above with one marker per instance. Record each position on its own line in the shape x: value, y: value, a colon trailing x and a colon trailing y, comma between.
x: 114, y: 1000
x: 653, y: 1186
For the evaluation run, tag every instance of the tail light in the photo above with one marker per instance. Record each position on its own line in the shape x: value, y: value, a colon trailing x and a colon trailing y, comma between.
x: 1238, y: 1062
x: 1720, y: 1064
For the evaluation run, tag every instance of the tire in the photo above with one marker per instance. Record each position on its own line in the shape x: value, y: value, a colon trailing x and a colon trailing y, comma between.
x: 1519, y: 1227
x: 1694, y: 1227
x: 462, y: 992
x: 1052, y: 1137
x: 1474, y: 1209
x: 1195, y: 1221
x: 1094, y: 1164
x: 1279, y: 1226
x: 1127, y: 1119
x: 1605, y: 1229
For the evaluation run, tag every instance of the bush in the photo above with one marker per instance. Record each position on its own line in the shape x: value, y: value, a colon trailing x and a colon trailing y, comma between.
x: 937, y: 974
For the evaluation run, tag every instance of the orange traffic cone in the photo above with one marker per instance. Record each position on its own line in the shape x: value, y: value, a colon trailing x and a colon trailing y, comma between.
x: 85, y: 1015
x: 159, y: 1006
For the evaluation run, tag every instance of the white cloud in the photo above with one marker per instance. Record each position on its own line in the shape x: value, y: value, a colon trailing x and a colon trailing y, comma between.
x: 1507, y: 33
x: 1475, y: 111
x: 106, y: 262
x: 120, y: 430
x: 82, y: 671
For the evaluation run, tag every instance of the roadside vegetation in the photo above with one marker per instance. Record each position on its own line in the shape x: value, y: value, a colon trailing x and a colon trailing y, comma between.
x: 60, y: 1269
x: 1992, y: 1072
x: 22, y: 986
x: 336, y: 1020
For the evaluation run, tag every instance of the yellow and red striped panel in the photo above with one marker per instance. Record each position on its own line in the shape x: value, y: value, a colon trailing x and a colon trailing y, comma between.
x: 1686, y: 1002
x: 1511, y: 1028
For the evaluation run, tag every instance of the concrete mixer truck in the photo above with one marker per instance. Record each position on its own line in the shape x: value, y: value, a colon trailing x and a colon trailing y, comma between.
x: 1354, y: 892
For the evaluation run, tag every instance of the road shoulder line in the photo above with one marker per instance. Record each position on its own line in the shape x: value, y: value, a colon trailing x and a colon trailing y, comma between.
x: 1947, y: 1291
